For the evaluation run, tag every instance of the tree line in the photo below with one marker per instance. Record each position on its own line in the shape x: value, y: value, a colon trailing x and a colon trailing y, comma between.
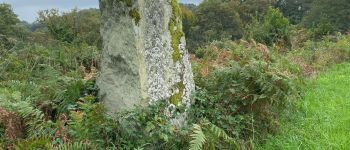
x: 256, y: 19
x: 266, y: 21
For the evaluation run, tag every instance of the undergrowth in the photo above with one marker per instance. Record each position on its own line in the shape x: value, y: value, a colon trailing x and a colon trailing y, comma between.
x: 242, y: 88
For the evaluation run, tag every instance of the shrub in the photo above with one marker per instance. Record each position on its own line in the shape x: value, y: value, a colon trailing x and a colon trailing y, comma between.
x: 273, y: 29
x: 242, y: 88
x: 316, y: 56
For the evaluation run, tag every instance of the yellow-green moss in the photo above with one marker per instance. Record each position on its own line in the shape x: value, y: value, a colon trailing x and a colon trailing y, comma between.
x: 133, y: 13
x: 176, y: 98
x: 128, y: 3
x: 175, y: 30
x: 176, y: 35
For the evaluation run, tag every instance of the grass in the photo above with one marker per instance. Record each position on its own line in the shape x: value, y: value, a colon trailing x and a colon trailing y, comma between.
x: 322, y: 121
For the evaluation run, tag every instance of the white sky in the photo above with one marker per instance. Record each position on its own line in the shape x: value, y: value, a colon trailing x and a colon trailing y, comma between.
x: 27, y: 9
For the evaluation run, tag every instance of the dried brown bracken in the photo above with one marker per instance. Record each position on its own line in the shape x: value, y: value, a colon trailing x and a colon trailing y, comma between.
x: 14, y: 127
x: 62, y: 132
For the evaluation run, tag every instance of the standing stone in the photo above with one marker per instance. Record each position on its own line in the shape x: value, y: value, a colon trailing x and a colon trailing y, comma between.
x: 144, y: 58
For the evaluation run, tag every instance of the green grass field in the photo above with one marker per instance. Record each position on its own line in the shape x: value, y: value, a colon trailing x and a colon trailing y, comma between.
x: 322, y: 121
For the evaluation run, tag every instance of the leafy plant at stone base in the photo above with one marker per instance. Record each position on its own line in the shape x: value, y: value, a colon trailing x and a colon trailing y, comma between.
x: 208, y: 136
x: 150, y: 128
x: 140, y: 128
x: 83, y: 125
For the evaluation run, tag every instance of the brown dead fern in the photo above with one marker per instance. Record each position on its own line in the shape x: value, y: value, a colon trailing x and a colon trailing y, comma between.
x: 14, y: 127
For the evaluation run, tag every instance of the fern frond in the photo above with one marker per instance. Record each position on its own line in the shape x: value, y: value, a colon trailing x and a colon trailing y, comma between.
x: 33, y: 118
x: 206, y: 133
x: 33, y: 143
x: 198, y: 138
x: 220, y: 133
x: 71, y: 146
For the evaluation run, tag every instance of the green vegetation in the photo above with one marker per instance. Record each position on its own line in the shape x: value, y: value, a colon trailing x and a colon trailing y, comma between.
x: 273, y: 30
x: 261, y: 72
x: 294, y: 10
x: 9, y: 21
x: 266, y: 21
x: 322, y: 121
x: 333, y: 12
x: 223, y: 22
x: 73, y: 27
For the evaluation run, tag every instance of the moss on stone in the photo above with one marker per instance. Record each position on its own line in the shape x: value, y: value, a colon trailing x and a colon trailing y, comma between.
x: 128, y: 3
x: 133, y: 13
x: 175, y: 30
x: 176, y: 98
x: 176, y: 35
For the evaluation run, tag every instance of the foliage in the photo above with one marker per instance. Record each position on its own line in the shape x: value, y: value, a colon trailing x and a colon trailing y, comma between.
x: 322, y: 28
x: 71, y: 146
x: 149, y: 128
x: 335, y: 12
x: 273, y: 30
x: 40, y: 80
x: 47, y: 78
x: 188, y: 20
x: 75, y: 26
x: 8, y: 19
x: 215, y: 20
x: 250, y: 9
x: 242, y: 88
x: 44, y: 143
x: 316, y: 56
x: 209, y: 136
x: 294, y: 10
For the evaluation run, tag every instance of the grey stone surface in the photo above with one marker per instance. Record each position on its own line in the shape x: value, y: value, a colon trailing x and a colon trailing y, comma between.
x: 137, y: 66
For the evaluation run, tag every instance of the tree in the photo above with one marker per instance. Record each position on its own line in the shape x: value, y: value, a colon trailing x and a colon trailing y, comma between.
x: 335, y: 12
x: 8, y: 19
x: 88, y: 26
x: 249, y: 9
x: 274, y: 29
x: 74, y: 26
x: 188, y: 21
x: 216, y: 20
x: 60, y: 27
x: 294, y: 10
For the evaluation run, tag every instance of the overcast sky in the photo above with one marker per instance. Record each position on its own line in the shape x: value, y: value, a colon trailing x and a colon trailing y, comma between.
x: 27, y: 9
